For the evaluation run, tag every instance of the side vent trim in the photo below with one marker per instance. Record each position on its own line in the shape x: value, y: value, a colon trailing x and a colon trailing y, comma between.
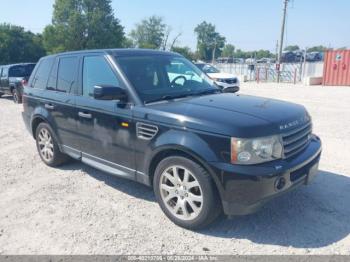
x: 146, y: 131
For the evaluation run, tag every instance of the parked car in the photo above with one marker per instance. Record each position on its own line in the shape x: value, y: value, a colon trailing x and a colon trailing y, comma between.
x: 314, y: 57
x: 238, y: 60
x: 12, y: 78
x: 226, y: 82
x: 292, y: 57
x: 225, y: 60
x: 200, y: 149
x: 266, y: 60
x: 230, y: 60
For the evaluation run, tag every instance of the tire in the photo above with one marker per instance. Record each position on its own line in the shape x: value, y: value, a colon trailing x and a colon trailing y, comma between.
x: 47, y: 146
x: 1, y: 94
x: 17, y: 99
x: 192, y: 203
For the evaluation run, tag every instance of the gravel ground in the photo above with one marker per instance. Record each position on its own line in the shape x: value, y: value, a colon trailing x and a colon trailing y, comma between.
x: 79, y: 210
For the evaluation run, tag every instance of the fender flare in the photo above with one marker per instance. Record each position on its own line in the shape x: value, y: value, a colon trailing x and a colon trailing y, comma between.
x: 38, y: 115
x: 175, y: 141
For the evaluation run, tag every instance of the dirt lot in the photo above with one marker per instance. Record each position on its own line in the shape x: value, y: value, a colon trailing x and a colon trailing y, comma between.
x: 79, y: 210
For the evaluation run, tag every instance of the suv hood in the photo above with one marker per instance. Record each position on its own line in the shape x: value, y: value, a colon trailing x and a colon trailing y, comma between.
x: 230, y: 114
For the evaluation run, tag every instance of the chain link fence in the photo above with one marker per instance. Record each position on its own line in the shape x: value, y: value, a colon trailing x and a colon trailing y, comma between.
x: 289, y: 72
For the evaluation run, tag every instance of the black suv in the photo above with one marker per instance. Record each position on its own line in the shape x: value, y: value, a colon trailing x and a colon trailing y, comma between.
x: 12, y: 78
x: 127, y: 113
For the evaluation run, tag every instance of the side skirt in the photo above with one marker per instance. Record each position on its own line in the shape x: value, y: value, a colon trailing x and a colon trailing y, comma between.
x: 106, y: 166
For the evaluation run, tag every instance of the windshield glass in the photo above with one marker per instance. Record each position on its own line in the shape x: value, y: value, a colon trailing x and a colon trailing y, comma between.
x: 21, y: 70
x: 160, y: 77
x: 208, y: 69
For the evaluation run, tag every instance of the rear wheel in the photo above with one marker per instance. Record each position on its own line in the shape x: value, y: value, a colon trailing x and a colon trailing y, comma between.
x: 47, y: 146
x: 186, y: 193
x: 16, y: 96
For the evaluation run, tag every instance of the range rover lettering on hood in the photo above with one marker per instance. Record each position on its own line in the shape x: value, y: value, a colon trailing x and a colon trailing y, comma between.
x: 295, y: 123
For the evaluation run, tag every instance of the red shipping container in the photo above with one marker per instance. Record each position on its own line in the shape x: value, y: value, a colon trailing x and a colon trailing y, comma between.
x: 336, y: 70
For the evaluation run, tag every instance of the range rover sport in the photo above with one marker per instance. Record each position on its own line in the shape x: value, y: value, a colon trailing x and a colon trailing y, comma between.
x: 130, y: 113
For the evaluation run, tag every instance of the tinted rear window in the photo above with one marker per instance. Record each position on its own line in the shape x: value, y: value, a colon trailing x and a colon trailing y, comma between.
x: 21, y: 70
x: 42, y: 74
x: 67, y: 69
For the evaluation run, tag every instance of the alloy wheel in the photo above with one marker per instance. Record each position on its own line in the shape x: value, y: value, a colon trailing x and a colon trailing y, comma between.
x: 15, y: 97
x: 46, y: 147
x: 181, y: 193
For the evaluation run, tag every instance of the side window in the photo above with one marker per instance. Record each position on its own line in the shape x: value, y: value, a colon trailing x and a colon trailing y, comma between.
x: 67, y: 69
x: 96, y: 71
x: 4, y: 72
x: 52, y: 83
x: 42, y: 73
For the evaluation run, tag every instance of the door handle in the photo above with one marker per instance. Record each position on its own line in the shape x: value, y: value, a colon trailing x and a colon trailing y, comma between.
x: 85, y: 115
x: 49, y: 106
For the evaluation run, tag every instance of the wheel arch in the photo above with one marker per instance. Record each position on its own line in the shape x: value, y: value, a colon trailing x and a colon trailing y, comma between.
x: 177, y: 150
x: 36, y: 121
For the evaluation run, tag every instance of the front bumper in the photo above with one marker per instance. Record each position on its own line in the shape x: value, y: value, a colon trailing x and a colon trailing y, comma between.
x: 245, y: 189
x: 223, y: 86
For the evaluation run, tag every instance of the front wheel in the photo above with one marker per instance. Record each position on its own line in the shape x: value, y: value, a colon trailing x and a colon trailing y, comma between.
x: 186, y: 193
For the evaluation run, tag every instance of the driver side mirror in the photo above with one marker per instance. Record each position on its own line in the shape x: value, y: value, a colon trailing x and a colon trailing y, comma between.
x: 103, y: 92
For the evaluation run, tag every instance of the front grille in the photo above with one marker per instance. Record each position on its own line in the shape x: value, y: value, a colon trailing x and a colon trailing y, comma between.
x: 231, y: 81
x: 296, y: 140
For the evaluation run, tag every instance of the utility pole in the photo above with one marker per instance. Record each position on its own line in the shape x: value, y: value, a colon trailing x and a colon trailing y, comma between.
x: 304, y: 63
x: 214, y: 52
x: 281, y: 40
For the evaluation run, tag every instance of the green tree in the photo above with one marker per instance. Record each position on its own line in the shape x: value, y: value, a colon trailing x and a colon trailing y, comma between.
x: 240, y: 54
x: 185, y: 51
x: 228, y: 51
x: 291, y: 48
x: 128, y: 43
x: 209, y: 42
x: 263, y: 54
x: 319, y: 48
x: 83, y: 24
x: 150, y: 33
x: 18, y: 45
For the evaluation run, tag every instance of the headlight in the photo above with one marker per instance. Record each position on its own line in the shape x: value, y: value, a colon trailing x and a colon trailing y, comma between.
x: 256, y: 150
x: 219, y: 80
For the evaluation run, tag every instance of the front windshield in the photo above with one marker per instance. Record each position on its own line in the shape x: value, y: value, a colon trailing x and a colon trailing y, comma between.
x: 208, y: 69
x: 161, y: 77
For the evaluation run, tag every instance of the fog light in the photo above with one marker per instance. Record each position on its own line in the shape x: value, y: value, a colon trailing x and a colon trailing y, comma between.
x: 280, y: 183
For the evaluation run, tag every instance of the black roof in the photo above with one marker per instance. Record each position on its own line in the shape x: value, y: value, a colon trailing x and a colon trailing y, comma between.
x: 19, y: 64
x: 122, y: 52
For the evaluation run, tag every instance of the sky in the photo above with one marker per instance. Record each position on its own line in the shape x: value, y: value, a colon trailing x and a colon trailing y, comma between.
x: 247, y: 24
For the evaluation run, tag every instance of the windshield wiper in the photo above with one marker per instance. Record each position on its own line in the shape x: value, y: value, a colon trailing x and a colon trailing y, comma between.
x: 168, y: 97
x: 208, y: 92
x: 172, y: 97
